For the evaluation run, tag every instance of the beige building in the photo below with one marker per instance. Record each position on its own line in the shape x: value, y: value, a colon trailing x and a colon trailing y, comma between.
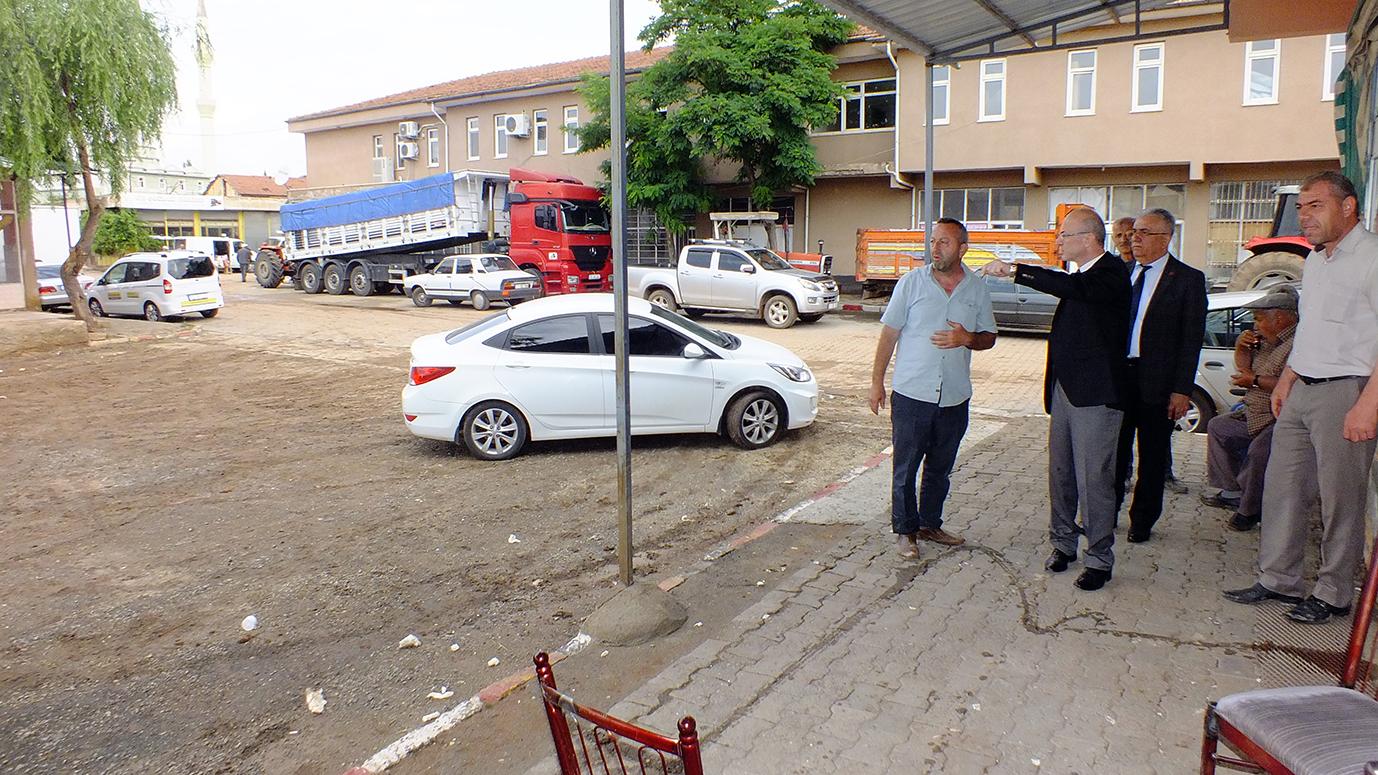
x: 1193, y: 123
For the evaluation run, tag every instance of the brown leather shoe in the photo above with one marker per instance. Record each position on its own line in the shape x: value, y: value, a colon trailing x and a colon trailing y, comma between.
x: 907, y: 546
x: 939, y: 536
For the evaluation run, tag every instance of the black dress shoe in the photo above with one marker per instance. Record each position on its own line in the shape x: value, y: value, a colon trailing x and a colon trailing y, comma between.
x: 1219, y: 502
x: 1243, y: 523
x: 1139, y: 536
x: 1257, y: 594
x: 1058, y: 561
x: 1313, y: 610
x: 1092, y: 579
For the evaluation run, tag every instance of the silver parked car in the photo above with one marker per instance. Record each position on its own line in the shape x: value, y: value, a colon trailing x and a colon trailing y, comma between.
x: 1226, y: 319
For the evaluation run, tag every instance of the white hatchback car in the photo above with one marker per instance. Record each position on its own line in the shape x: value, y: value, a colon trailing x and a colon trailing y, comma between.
x: 157, y: 286
x: 1226, y: 319
x: 479, y: 279
x: 544, y: 370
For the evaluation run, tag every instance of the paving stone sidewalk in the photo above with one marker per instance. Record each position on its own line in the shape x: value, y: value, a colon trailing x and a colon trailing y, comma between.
x: 974, y: 659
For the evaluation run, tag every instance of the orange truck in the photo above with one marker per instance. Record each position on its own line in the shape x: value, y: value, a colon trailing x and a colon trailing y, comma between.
x: 884, y: 255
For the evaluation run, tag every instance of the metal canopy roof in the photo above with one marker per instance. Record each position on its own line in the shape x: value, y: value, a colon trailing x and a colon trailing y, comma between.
x: 955, y: 30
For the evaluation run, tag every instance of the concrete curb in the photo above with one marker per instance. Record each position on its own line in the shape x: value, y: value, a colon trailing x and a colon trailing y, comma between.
x: 493, y: 693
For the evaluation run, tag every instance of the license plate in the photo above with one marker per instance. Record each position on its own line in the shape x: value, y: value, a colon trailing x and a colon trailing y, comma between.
x: 196, y: 296
x: 522, y: 285
x: 595, y: 277
x: 197, y: 302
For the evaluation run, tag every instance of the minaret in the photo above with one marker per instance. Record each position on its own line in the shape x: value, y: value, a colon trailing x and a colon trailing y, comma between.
x: 205, y: 98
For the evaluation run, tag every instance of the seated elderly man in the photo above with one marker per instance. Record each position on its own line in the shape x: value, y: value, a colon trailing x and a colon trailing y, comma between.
x: 1238, y: 443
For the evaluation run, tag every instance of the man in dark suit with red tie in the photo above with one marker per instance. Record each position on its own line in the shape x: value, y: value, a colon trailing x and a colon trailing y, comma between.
x: 1167, y: 325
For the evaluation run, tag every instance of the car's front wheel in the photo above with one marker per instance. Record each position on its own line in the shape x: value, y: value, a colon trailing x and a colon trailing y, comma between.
x: 780, y: 311
x: 151, y: 313
x: 755, y: 419
x: 419, y: 297
x: 493, y: 430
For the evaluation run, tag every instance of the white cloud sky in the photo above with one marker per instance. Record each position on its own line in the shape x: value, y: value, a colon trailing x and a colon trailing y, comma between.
x: 281, y: 58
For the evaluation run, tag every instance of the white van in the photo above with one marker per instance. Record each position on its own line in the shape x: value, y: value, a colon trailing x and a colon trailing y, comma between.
x: 222, y: 250
x: 157, y: 286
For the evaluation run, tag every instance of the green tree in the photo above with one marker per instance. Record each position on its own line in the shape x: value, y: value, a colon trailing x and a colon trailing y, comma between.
x: 121, y: 232
x: 745, y: 81
x: 84, y: 84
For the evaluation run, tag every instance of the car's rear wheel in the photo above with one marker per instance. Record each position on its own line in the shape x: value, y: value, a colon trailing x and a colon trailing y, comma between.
x: 210, y: 313
x: 494, y: 430
x: 419, y: 297
x: 755, y: 419
x: 310, y: 278
x: 1200, y: 411
x: 359, y: 281
x: 780, y: 311
x: 151, y: 312
x: 96, y: 309
x: 662, y: 298
x: 693, y: 313
x: 335, y: 281
x: 479, y: 299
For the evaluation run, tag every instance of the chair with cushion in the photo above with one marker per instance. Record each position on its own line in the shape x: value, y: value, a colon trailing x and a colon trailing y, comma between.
x: 590, y: 741
x: 1304, y: 730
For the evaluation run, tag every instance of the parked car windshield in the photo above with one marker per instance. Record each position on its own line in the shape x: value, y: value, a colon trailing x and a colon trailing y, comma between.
x: 195, y: 266
x: 768, y: 260
x: 49, y: 272
x: 496, y: 263
x: 719, y: 338
x: 584, y: 217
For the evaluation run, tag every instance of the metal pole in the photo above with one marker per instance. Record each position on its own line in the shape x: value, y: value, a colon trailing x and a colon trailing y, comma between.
x: 928, y: 164
x: 618, y: 146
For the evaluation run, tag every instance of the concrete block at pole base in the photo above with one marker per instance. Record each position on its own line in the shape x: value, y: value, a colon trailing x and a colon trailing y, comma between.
x: 636, y: 615
x: 22, y: 332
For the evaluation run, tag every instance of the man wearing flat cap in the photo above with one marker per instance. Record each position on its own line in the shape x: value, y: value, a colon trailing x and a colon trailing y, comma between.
x: 1238, y: 443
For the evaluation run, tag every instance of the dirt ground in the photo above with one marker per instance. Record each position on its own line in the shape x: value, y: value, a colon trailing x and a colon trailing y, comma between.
x: 157, y: 493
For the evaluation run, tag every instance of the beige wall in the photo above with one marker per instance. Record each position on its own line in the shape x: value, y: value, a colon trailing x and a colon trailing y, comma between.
x: 837, y: 207
x: 521, y: 150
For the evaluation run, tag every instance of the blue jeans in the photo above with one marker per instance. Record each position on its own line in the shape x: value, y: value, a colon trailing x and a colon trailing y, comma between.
x: 927, y: 434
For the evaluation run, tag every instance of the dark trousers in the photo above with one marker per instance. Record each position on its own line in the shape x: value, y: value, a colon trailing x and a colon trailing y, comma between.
x: 1150, y: 423
x: 923, y: 434
x: 1237, y: 461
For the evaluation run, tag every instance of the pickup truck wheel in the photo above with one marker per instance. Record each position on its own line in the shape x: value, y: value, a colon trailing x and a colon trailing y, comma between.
x: 335, y: 281
x: 310, y: 278
x: 662, y: 298
x: 419, y: 297
x: 755, y: 420
x: 693, y: 313
x: 479, y: 299
x: 359, y: 281
x: 493, y: 430
x: 780, y: 311
x: 812, y: 318
x: 267, y: 270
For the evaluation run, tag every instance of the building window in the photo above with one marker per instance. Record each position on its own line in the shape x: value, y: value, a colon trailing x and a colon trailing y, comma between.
x: 1261, y: 60
x: 1081, y: 83
x: 1148, y: 78
x: 139, y: 182
x: 1334, y: 64
x: 472, y: 125
x: 982, y: 208
x: 1114, y: 202
x: 377, y: 146
x: 433, y: 147
x: 397, y: 149
x: 571, y: 124
x: 942, y: 95
x: 865, y: 105
x: 1240, y: 211
x: 992, y: 90
x: 500, y: 136
x: 540, y: 133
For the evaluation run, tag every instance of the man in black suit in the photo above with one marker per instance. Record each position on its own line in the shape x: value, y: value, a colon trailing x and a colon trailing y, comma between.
x: 1082, y: 389
x: 1167, y: 325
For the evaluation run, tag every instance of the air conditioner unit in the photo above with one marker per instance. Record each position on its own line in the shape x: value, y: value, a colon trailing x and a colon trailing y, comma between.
x: 408, y: 129
x: 382, y: 170
x: 409, y: 150
x: 517, y: 124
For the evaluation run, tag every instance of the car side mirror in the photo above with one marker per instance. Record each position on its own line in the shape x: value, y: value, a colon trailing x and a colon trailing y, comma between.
x: 693, y: 352
x: 748, y: 269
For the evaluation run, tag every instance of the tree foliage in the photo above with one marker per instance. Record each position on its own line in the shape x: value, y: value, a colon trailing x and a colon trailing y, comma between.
x: 83, y: 84
x: 121, y: 232
x: 745, y: 81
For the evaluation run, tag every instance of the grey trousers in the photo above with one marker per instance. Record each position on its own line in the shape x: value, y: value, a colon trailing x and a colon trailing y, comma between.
x: 1237, y: 461
x: 1082, y: 442
x: 1311, y: 459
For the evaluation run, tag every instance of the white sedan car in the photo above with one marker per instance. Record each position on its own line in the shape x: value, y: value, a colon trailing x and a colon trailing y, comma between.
x: 544, y: 370
x: 479, y: 279
x: 51, y: 292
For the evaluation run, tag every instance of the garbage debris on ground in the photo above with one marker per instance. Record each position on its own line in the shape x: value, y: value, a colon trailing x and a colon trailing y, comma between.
x: 513, y: 539
x: 443, y: 694
x: 315, y: 701
x: 494, y: 662
x: 409, y: 642
x: 249, y: 624
x: 429, y: 717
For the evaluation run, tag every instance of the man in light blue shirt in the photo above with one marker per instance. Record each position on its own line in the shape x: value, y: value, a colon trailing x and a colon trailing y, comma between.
x: 937, y: 315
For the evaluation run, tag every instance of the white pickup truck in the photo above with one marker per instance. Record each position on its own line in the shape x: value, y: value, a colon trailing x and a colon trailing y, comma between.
x: 733, y: 276
x: 479, y: 279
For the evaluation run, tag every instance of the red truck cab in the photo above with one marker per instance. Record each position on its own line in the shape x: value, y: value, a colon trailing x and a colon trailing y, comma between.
x: 561, y: 231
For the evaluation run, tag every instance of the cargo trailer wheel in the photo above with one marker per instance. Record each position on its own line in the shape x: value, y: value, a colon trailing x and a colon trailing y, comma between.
x: 419, y: 297
x: 97, y: 311
x: 151, y: 313
x: 780, y: 311
x: 359, y: 281
x: 335, y: 281
x: 662, y: 298
x: 493, y: 430
x: 310, y: 278
x: 755, y: 420
x: 479, y: 299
